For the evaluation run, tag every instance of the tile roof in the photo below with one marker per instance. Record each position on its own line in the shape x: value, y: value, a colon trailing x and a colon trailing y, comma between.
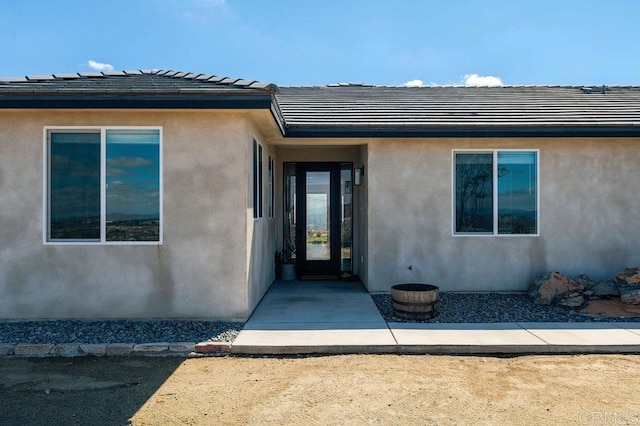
x: 134, y: 81
x: 349, y: 109
x: 135, y: 89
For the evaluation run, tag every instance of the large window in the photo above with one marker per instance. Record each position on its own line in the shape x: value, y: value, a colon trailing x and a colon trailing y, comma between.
x: 496, y: 192
x: 103, y: 185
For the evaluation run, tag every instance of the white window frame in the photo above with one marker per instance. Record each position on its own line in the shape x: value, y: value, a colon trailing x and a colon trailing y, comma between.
x: 271, y: 171
x: 495, y: 192
x: 47, y: 130
x: 258, y: 179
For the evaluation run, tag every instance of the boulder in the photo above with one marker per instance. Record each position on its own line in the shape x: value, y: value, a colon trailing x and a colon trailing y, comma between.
x: 628, y: 282
x: 608, y: 287
x: 585, y: 280
x: 555, y: 287
x: 572, y: 300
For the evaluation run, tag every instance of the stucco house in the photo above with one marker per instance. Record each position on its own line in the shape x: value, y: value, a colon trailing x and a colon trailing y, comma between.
x: 145, y: 194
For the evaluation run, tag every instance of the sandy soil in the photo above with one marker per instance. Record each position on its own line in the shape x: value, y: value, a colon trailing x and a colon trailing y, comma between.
x: 335, y: 390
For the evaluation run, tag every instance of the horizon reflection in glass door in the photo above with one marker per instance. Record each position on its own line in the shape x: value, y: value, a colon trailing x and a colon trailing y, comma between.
x: 318, y: 216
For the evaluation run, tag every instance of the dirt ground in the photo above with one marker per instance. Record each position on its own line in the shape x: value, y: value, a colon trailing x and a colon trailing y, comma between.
x: 334, y: 390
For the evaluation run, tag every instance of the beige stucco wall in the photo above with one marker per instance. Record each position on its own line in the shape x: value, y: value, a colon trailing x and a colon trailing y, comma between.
x: 589, y: 221
x: 201, y: 269
x: 261, y: 232
x: 217, y: 262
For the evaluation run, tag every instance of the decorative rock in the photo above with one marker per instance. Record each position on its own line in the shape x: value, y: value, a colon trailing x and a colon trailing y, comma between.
x: 572, y: 300
x: 67, y: 350
x: 151, y: 347
x: 33, y: 349
x: 628, y: 281
x: 119, y: 349
x: 585, y: 280
x: 212, y: 347
x: 608, y: 287
x: 182, y: 347
x: 6, y: 348
x: 613, y: 308
x: 630, y: 275
x: 553, y: 287
x: 95, y: 349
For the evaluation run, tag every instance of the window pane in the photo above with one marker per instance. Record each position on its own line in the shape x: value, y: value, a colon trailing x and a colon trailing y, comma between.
x: 270, y: 183
x: 318, y: 216
x: 517, y: 193
x: 474, y: 192
x: 74, y: 186
x: 133, y: 185
x: 289, y: 212
x: 346, y: 220
x: 260, y: 199
x: 257, y: 180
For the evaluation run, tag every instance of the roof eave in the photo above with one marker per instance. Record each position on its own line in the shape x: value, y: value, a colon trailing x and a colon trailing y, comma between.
x: 138, y: 101
x: 464, y: 132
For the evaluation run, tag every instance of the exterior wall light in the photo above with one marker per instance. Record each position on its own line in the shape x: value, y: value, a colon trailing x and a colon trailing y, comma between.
x: 358, y: 173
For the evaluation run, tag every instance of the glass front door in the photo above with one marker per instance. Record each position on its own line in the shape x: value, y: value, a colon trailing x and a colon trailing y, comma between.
x: 317, y: 229
x: 318, y: 215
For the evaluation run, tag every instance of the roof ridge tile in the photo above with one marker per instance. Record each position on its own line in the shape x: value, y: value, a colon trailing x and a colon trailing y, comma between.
x: 91, y: 74
x: 40, y: 77
x: 66, y: 76
x: 13, y: 79
x: 113, y: 73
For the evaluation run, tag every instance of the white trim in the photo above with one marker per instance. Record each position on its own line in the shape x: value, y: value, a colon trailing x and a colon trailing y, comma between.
x: 495, y: 193
x: 494, y: 188
x: 103, y: 186
x: 45, y: 185
x: 257, y: 188
x: 271, y: 190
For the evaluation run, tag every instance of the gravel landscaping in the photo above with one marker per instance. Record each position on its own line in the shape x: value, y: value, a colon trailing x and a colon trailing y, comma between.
x: 451, y: 308
x: 493, y: 307
x: 125, y: 331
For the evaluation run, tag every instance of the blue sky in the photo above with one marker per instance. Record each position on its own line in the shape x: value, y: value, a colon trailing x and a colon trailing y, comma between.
x: 310, y: 42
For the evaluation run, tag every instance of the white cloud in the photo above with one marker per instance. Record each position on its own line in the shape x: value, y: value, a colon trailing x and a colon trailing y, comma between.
x: 414, y: 83
x: 481, y: 80
x: 99, y: 66
x: 203, y: 10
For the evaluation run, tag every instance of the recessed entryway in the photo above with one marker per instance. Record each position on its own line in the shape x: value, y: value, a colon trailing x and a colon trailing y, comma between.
x: 318, y: 232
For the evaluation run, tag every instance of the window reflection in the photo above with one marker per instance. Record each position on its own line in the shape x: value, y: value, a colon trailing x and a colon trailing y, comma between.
x: 130, y: 183
x: 346, y: 194
x: 517, y: 196
x: 318, y: 215
x: 474, y: 192
x: 514, y: 177
x: 74, y: 186
x: 133, y: 185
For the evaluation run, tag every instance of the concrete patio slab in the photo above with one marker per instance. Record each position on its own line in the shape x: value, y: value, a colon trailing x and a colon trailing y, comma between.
x: 465, y: 338
x: 315, y: 317
x: 299, y: 302
x: 591, y: 337
x: 301, y: 317
x: 632, y: 327
x: 314, y: 338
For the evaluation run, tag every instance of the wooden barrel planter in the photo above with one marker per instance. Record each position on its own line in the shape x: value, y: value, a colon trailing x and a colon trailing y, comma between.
x: 414, y: 301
